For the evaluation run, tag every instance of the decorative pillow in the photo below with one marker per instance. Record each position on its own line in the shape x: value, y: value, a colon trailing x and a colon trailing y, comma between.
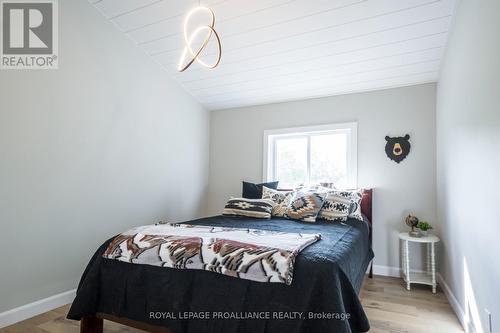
x: 341, y: 204
x: 355, y: 209
x: 254, y: 191
x: 334, y: 210
x: 280, y: 198
x: 305, y: 206
x: 258, y: 208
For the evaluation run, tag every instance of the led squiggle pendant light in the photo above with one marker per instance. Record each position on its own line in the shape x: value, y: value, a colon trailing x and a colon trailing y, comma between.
x: 195, y: 56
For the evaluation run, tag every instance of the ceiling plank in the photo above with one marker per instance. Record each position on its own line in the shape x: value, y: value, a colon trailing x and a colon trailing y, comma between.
x: 278, y: 50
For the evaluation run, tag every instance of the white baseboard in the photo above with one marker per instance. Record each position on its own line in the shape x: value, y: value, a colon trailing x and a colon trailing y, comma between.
x: 390, y: 271
x: 386, y: 271
x: 24, y: 312
x: 455, y: 305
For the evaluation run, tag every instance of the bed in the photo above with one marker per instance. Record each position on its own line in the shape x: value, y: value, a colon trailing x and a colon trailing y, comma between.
x: 323, y: 296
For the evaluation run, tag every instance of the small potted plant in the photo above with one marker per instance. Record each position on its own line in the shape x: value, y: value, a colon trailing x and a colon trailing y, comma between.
x: 424, y: 226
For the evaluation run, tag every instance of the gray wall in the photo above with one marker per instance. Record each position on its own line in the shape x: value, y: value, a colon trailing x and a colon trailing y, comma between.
x: 104, y: 143
x: 468, y: 142
x: 237, y: 139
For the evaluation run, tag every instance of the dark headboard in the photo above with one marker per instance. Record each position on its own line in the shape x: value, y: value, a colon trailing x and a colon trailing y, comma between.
x: 366, y: 204
x: 366, y: 209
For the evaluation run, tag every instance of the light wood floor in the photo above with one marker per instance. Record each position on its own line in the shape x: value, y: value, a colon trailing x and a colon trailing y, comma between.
x: 390, y: 308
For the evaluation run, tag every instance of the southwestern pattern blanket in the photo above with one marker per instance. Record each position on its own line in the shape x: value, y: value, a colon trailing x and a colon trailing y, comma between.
x: 258, y: 255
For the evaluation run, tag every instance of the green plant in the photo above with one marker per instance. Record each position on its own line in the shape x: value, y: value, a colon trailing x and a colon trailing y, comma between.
x: 424, y: 225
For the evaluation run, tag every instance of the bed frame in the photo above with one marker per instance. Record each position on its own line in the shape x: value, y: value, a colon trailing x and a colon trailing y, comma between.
x: 95, y: 324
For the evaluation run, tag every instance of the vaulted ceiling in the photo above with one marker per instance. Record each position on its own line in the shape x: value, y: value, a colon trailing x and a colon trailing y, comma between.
x: 281, y: 50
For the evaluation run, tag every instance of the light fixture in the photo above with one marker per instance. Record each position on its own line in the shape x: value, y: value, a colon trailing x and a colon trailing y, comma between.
x: 195, y: 56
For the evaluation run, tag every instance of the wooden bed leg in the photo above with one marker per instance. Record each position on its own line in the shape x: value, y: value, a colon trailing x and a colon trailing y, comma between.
x: 370, y: 275
x: 91, y: 324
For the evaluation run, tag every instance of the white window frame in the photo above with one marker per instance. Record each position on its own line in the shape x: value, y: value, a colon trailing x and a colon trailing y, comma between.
x: 270, y: 137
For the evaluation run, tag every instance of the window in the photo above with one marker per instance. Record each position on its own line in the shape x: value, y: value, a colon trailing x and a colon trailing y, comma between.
x: 316, y: 154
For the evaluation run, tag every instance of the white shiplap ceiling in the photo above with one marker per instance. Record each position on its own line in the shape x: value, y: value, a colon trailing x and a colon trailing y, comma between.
x: 280, y: 50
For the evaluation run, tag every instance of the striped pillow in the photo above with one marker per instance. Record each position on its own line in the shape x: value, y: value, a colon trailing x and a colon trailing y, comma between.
x: 258, y: 208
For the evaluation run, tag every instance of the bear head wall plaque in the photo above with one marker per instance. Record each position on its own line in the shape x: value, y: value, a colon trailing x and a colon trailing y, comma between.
x: 397, y: 148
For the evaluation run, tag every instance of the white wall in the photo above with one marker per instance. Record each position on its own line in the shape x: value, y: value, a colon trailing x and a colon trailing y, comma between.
x: 104, y: 143
x: 237, y: 139
x: 468, y: 141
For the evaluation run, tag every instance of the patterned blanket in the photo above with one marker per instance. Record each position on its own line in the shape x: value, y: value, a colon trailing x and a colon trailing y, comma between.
x: 258, y: 255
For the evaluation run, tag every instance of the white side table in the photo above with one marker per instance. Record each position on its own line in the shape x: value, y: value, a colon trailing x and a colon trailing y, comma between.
x: 428, y: 277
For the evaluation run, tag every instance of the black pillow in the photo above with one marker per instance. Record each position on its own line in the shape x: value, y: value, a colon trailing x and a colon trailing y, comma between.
x: 254, y: 191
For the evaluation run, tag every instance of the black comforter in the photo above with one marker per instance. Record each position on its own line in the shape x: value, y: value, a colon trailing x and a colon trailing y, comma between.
x: 324, y: 292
